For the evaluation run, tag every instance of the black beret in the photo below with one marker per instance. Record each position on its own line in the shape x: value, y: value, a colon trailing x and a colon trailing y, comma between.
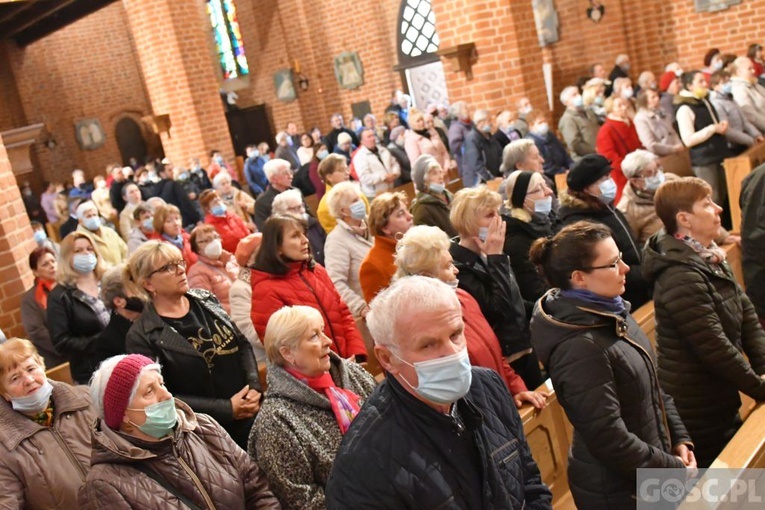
x: 588, y: 170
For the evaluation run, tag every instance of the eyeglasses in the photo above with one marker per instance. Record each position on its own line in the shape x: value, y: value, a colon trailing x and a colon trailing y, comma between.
x: 170, y: 267
x: 612, y: 265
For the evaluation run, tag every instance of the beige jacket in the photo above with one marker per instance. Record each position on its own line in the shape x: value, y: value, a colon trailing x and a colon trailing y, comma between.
x: 343, y: 253
x: 44, y: 467
x: 751, y: 98
x: 109, y: 243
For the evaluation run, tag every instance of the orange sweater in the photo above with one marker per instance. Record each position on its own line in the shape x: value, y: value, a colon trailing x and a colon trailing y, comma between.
x: 378, y: 267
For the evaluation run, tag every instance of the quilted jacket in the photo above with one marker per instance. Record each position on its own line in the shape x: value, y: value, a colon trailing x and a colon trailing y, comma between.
x: 345, y: 251
x: 428, y: 209
x: 295, y: 418
x: 230, y: 228
x: 215, y: 276
x: 603, y: 370
x: 378, y: 267
x: 200, y: 460
x: 43, y: 467
x: 706, y: 327
x: 311, y: 287
x: 398, y: 453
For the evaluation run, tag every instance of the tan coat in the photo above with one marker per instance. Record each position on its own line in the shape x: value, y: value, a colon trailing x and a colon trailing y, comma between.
x: 201, y: 461
x: 43, y: 467
x: 109, y: 243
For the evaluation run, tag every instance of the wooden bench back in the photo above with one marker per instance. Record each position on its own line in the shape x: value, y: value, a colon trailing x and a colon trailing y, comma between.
x: 678, y: 163
x: 312, y: 202
x: 560, y: 182
x: 735, y: 170
x: 408, y: 190
x: 60, y: 373
x: 646, y: 319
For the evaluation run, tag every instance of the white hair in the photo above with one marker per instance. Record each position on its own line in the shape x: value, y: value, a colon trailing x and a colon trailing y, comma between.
x: 567, y: 93
x: 480, y: 115
x: 218, y: 179
x: 644, y: 78
x: 739, y: 64
x: 85, y: 207
x: 101, y: 377
x: 419, y: 251
x: 457, y: 108
x: 280, y: 203
x: 416, y: 296
x: 513, y: 153
x: 273, y: 166
x: 341, y: 195
x: 280, y: 136
x: 621, y: 58
x: 636, y: 161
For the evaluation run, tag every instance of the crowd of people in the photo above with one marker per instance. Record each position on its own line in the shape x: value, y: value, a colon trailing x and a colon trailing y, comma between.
x: 170, y: 286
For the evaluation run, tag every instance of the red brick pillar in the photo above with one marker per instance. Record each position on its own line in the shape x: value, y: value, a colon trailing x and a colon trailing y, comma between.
x: 173, y: 42
x: 15, y: 245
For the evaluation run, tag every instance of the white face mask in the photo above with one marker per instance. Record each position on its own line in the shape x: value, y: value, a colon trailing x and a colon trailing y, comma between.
x: 607, y: 190
x: 213, y: 249
x: 34, y: 403
x: 442, y: 380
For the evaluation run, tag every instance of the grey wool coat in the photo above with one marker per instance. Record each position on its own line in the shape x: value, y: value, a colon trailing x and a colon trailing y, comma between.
x: 296, y: 436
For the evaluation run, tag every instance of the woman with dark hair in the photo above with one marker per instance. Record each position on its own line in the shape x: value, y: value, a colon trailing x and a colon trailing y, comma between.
x: 319, y: 153
x: 754, y: 52
x: 701, y: 130
x: 603, y: 369
x: 285, y: 274
x: 305, y: 151
x: 206, y: 360
x: 590, y: 196
x: 713, y: 61
x: 34, y: 303
x: 711, y: 345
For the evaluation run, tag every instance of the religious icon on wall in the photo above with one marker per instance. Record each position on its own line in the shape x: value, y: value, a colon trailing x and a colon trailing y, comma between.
x: 595, y: 11
x: 89, y: 134
x: 714, y: 5
x: 546, y: 21
x: 285, y: 87
x: 348, y: 70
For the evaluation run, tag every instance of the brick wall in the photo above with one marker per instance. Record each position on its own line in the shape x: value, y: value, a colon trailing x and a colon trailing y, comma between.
x: 86, y: 70
x: 11, y: 112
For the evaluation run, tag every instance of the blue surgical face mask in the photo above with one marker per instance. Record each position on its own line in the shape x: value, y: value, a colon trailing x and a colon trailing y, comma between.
x: 486, y: 128
x: 358, y: 210
x: 543, y: 205
x: 727, y: 88
x: 578, y: 101
x: 40, y: 236
x: 266, y: 157
x: 34, y: 403
x: 541, y: 129
x: 93, y: 223
x: 607, y: 191
x: 84, y: 262
x: 254, y: 153
x: 442, y: 380
x: 218, y: 210
x: 148, y: 224
x: 483, y: 233
x: 653, y: 183
x: 322, y: 154
x: 436, y: 188
x: 161, y: 419
x: 599, y: 100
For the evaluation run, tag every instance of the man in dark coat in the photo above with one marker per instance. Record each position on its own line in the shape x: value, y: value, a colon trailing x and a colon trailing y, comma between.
x: 483, y: 153
x: 621, y: 69
x: 753, y: 238
x: 446, y: 437
x: 338, y: 126
x: 173, y: 193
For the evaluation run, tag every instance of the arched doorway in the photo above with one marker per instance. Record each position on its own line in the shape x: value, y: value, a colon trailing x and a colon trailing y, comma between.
x: 130, y: 140
x: 418, y: 42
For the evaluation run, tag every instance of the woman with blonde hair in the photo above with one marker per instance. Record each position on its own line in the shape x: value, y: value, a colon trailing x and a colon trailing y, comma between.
x: 44, y: 432
x: 207, y: 361
x: 424, y: 251
x: 594, y: 96
x: 485, y: 273
x: 313, y: 396
x: 76, y: 315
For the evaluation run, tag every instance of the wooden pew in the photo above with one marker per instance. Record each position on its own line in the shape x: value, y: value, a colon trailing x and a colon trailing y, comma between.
x: 646, y: 319
x: 312, y: 202
x: 372, y: 366
x: 747, y: 448
x: 549, y: 434
x: 60, y: 373
x: 735, y: 170
x: 455, y: 185
x: 678, y: 163
x: 408, y: 190
x: 560, y: 182
x: 734, y: 261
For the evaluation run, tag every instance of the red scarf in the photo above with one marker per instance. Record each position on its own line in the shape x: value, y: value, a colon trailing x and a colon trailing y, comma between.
x: 345, y: 403
x: 42, y: 289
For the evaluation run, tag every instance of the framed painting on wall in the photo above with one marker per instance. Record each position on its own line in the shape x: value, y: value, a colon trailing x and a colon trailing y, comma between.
x: 285, y: 87
x: 89, y: 134
x: 348, y: 70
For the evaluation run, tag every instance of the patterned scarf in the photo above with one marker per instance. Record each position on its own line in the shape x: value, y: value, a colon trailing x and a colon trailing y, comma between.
x: 43, y: 287
x: 712, y: 254
x: 345, y: 403
x: 45, y: 418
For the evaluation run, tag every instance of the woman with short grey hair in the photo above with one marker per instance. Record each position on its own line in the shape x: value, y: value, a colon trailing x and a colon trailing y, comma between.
x: 313, y: 395
x: 348, y: 244
x: 431, y: 205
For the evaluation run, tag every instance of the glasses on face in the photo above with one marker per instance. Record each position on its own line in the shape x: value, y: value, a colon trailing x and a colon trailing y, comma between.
x: 170, y: 267
x: 612, y: 265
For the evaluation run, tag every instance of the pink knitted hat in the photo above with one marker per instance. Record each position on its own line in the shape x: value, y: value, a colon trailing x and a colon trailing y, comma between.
x: 119, y: 387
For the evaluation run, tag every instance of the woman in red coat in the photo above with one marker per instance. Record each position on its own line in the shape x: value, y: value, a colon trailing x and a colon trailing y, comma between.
x: 617, y: 138
x: 230, y: 227
x: 424, y: 250
x: 284, y: 274
x: 167, y: 224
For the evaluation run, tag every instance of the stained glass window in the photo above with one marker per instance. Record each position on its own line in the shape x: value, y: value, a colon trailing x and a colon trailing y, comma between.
x: 228, y: 38
x: 417, y: 35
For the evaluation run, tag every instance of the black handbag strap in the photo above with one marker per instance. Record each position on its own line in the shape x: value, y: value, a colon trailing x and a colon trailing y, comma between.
x: 164, y: 483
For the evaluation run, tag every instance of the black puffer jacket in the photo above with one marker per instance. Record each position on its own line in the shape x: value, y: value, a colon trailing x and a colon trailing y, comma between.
x: 705, y: 324
x: 519, y: 237
x: 753, y: 237
x: 185, y: 369
x: 492, y: 283
x: 573, y: 209
x: 398, y: 453
x: 603, y: 371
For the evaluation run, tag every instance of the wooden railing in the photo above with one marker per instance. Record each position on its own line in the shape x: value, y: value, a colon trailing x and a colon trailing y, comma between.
x: 60, y: 373
x: 735, y: 170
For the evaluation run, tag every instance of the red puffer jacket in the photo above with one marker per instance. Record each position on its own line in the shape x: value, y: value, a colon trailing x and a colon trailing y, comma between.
x: 230, y: 228
x: 483, y: 345
x: 310, y: 287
